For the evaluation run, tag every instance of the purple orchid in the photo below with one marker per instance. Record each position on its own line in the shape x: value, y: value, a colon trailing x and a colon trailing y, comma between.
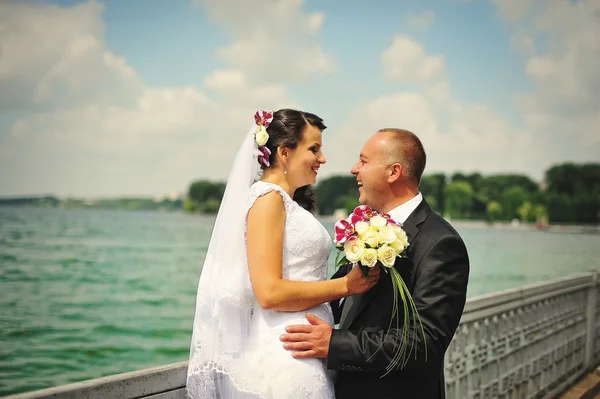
x: 263, y: 156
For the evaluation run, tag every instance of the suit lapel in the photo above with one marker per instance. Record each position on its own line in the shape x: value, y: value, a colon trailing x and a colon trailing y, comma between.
x: 349, y: 311
x: 411, y: 229
x: 355, y: 304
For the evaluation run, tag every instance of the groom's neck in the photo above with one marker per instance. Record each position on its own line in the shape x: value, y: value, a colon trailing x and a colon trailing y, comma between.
x: 399, y: 196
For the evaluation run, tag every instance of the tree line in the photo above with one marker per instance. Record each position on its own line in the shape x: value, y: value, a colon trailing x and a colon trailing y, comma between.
x: 570, y: 193
x: 130, y: 204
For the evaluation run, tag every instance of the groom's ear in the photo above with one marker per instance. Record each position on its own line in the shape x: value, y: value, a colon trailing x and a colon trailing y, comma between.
x: 395, y: 172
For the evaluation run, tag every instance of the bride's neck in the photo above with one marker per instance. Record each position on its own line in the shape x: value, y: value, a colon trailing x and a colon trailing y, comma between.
x: 279, y: 178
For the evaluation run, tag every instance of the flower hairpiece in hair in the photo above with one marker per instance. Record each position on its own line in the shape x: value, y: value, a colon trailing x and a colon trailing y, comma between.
x: 262, y: 120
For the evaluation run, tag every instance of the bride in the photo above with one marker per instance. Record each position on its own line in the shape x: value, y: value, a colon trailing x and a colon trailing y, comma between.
x: 266, y: 265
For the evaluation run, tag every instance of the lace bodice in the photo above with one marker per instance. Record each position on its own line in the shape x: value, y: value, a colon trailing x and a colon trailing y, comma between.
x: 306, y: 244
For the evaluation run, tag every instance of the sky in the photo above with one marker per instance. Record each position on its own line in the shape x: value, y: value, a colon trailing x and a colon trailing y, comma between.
x: 141, y: 97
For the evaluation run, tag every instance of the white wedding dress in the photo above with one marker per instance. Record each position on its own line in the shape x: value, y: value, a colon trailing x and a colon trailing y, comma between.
x: 265, y: 369
x: 306, y: 248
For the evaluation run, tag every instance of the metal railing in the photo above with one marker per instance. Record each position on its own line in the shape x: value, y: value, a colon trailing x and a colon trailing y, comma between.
x: 529, y: 342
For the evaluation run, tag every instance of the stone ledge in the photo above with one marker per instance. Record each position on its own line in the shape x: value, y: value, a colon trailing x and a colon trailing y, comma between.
x: 587, y: 388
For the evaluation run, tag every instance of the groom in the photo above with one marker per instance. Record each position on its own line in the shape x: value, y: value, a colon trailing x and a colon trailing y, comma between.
x: 436, y: 273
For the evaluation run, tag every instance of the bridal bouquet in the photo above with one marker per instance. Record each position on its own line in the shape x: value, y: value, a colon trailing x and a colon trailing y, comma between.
x: 369, y: 238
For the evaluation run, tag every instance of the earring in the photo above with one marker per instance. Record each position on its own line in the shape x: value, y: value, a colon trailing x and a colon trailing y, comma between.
x: 285, y: 171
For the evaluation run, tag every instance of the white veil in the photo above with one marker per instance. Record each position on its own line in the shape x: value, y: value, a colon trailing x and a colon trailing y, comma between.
x: 224, y: 303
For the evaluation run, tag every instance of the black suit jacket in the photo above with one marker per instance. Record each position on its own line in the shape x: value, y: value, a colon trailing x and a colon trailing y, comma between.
x: 436, y: 273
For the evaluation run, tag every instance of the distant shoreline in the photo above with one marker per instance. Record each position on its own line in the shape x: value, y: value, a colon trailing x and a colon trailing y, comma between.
x: 551, y: 228
x: 503, y: 225
x: 468, y: 223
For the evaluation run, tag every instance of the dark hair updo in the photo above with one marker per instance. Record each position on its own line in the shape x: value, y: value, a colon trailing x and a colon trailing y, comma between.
x: 286, y: 130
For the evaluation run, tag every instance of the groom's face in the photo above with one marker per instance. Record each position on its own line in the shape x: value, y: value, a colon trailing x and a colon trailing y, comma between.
x: 371, y: 172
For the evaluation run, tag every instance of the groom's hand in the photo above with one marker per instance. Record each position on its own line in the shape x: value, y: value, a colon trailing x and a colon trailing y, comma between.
x: 308, y: 340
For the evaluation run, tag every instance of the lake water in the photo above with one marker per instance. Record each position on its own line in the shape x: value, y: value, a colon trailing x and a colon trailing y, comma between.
x: 89, y: 293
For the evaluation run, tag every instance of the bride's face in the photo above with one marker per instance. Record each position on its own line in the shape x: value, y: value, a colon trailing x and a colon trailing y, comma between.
x: 304, y: 161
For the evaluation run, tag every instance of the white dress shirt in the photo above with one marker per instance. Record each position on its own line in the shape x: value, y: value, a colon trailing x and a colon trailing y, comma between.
x: 400, y: 213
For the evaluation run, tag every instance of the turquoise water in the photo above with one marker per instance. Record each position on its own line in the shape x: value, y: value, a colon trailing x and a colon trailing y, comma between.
x: 88, y: 293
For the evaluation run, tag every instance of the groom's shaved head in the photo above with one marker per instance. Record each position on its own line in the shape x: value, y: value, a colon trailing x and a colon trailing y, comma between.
x: 405, y: 148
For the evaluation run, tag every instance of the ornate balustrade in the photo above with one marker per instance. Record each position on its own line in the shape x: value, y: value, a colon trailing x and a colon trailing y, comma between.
x: 530, y: 342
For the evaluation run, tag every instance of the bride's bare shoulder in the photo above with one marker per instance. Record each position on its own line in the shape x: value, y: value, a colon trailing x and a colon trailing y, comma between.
x: 267, y: 208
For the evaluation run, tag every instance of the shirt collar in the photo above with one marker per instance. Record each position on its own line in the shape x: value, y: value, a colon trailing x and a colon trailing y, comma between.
x: 400, y: 213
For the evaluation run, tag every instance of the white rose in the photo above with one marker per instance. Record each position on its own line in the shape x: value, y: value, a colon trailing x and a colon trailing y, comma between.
x: 261, y: 136
x: 369, y: 257
x: 354, y: 250
x: 398, y: 246
x: 400, y: 233
x: 371, y: 238
x: 404, y: 241
x: 387, y: 255
x: 378, y: 221
x: 361, y: 228
x: 387, y: 234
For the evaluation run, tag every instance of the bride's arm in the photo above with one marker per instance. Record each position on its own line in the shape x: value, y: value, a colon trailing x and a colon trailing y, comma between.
x: 266, y: 221
x: 336, y: 306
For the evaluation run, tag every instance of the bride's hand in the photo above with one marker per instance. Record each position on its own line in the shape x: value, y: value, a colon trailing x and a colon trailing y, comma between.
x: 357, y: 283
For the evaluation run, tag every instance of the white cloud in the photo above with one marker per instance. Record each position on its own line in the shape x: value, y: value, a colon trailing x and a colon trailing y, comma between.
x: 406, y: 61
x: 422, y: 20
x: 81, y: 121
x: 456, y: 136
x: 53, y: 57
x: 560, y: 115
x: 233, y: 86
x: 226, y: 80
x: 513, y: 10
x: 86, y: 124
x: 559, y: 42
x: 111, y: 150
x: 274, y: 41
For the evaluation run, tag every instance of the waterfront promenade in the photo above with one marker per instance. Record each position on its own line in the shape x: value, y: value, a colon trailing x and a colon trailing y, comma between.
x: 535, y: 341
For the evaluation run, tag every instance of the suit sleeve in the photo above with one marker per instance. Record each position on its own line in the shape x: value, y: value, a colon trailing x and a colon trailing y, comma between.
x: 336, y: 306
x: 439, y: 295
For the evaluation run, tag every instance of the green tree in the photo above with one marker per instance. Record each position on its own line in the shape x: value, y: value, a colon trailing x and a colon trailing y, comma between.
x: 329, y: 190
x: 494, y: 211
x: 540, y: 213
x: 433, y: 188
x: 459, y: 198
x: 560, y: 208
x: 565, y: 179
x: 210, y: 206
x: 204, y: 190
x: 347, y: 202
x: 573, y: 193
x: 474, y: 179
x: 512, y: 200
x: 525, y: 212
x: 586, y: 208
x: 458, y: 176
x: 432, y: 201
x: 189, y: 205
x: 480, y: 200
